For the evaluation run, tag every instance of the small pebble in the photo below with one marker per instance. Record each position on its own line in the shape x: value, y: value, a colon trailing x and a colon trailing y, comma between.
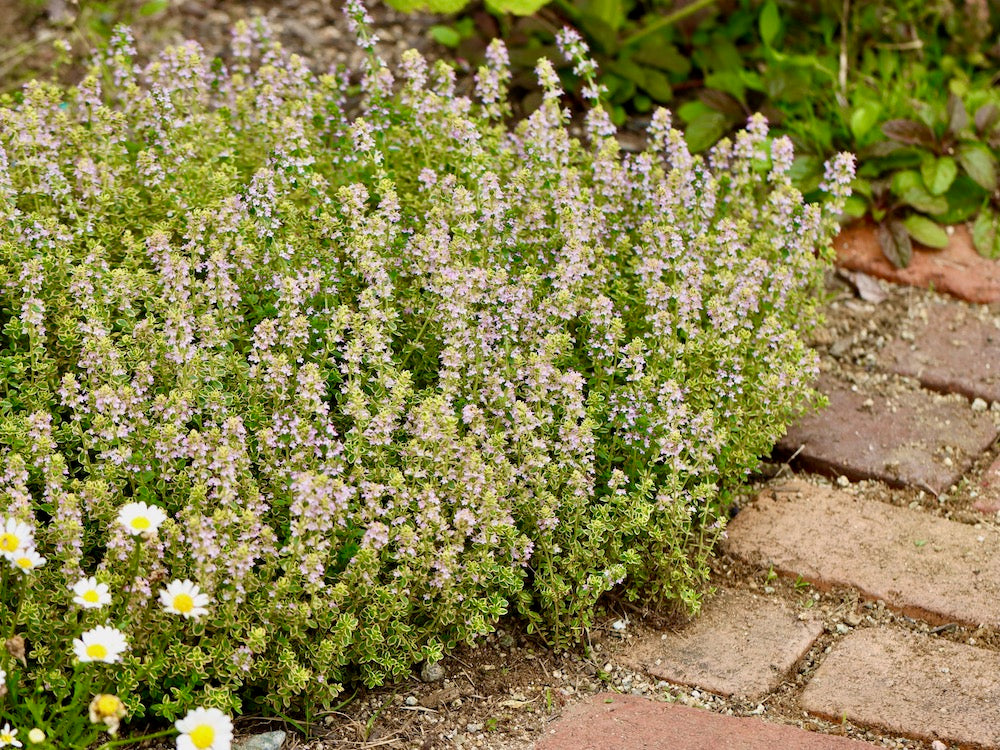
x: 979, y: 405
x: 618, y: 625
x: 265, y: 741
x: 411, y: 700
x: 473, y: 728
x: 432, y: 672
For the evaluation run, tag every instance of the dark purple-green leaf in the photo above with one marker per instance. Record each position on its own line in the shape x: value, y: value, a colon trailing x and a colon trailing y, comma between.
x: 987, y: 117
x: 958, y: 118
x: 895, y: 243
x: 910, y: 132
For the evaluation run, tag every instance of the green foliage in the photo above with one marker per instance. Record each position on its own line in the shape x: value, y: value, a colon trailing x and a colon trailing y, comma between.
x: 378, y: 378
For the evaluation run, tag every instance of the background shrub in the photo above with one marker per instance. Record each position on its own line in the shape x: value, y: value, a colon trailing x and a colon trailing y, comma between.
x: 390, y: 376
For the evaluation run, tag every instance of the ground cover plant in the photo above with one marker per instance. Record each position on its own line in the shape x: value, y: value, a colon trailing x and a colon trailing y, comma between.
x: 304, y: 382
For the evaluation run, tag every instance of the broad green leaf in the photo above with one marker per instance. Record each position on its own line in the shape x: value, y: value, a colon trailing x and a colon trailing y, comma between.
x: 806, y: 173
x: 908, y: 186
x: 855, y: 206
x: 445, y: 35
x: 965, y: 198
x: 729, y: 81
x: 451, y: 6
x: 152, y: 7
x: 895, y: 243
x: 938, y: 173
x: 770, y: 23
x: 657, y: 85
x: 979, y: 163
x: 705, y: 129
x: 864, y: 118
x: 663, y: 55
x: 925, y: 231
x: 984, y: 234
x: 609, y: 12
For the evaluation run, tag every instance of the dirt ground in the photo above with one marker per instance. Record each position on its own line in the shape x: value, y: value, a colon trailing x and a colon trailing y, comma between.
x: 504, y: 693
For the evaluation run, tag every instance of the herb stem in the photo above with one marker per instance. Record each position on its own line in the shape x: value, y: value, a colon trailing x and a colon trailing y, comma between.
x: 668, y: 20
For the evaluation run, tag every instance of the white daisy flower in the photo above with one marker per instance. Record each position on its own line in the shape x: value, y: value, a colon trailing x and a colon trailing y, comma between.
x: 139, y: 518
x: 204, y: 729
x: 14, y: 535
x: 8, y: 736
x: 100, y: 644
x: 27, y: 559
x: 90, y: 594
x: 184, y: 598
x: 3, y: 678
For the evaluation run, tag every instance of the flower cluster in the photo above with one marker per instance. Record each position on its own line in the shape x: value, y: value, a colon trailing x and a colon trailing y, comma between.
x: 297, y: 396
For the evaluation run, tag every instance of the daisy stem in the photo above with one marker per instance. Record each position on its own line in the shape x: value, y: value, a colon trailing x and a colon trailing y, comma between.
x: 133, y: 740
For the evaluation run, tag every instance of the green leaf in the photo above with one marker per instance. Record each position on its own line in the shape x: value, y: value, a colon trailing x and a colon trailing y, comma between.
x: 662, y: 55
x: 855, y: 206
x: 908, y: 186
x: 729, y: 81
x: 895, y: 243
x: 938, y: 173
x: 445, y: 35
x: 153, y: 7
x: 925, y: 231
x: 979, y: 163
x: 723, y: 103
x: 609, y: 12
x: 517, y: 7
x: 769, y: 23
x: 657, y: 85
x: 864, y: 118
x: 705, y: 129
x: 984, y: 234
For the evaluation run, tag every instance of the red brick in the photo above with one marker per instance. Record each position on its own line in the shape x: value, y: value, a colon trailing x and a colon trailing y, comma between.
x: 921, y: 439
x: 953, y: 349
x: 741, y: 644
x: 910, y: 684
x: 624, y: 722
x: 957, y: 269
x: 989, y: 490
x: 928, y: 567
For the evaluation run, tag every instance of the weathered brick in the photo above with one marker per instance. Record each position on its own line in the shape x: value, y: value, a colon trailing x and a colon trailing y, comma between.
x: 953, y: 348
x: 957, y: 269
x: 929, y: 567
x: 910, y: 684
x: 923, y: 440
x: 623, y: 722
x: 989, y: 490
x: 741, y: 644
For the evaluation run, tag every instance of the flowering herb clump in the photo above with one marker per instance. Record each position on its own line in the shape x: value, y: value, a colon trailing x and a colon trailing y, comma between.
x: 292, y: 397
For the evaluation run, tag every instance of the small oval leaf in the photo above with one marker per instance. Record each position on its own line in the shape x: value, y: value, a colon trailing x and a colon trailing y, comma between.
x: 979, y: 163
x: 925, y: 231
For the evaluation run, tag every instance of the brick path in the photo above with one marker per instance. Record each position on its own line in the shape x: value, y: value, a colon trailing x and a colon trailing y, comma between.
x: 926, y: 420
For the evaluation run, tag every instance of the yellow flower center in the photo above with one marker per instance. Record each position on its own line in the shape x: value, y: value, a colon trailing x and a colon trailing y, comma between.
x: 183, y: 603
x: 140, y: 522
x: 23, y: 562
x: 96, y: 651
x: 91, y: 596
x: 202, y: 736
x: 9, y: 542
x: 7, y: 738
x: 108, y: 705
